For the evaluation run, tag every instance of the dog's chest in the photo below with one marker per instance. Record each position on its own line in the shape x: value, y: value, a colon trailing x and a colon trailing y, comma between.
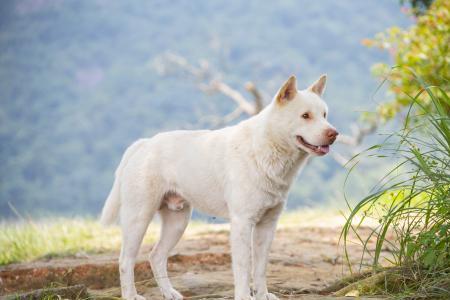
x: 275, y: 176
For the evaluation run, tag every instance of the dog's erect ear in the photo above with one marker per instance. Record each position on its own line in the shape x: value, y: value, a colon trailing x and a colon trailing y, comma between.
x: 288, y: 91
x: 318, y: 87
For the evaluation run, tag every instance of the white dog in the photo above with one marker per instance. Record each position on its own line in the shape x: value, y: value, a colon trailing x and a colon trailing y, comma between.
x: 241, y: 173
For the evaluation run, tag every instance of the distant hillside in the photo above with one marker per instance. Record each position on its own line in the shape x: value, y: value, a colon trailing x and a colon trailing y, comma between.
x: 77, y: 83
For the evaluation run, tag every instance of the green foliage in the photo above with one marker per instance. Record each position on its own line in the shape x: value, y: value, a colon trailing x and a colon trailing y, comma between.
x: 421, y: 51
x: 412, y: 201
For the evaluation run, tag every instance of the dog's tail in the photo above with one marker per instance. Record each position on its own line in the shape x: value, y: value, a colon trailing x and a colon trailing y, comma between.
x: 111, y: 208
x: 112, y: 204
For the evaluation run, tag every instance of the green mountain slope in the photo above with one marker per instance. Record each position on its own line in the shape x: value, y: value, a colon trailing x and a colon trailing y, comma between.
x: 77, y: 83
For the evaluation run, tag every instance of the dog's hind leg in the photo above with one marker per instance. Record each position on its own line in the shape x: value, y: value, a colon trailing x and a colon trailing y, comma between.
x: 131, y: 242
x: 139, y: 204
x: 173, y: 225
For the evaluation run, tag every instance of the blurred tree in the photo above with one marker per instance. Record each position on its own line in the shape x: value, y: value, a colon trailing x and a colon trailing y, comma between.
x: 419, y: 6
x: 422, y: 51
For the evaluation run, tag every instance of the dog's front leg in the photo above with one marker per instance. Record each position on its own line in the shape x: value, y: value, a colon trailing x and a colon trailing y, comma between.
x: 262, y: 239
x: 241, y: 234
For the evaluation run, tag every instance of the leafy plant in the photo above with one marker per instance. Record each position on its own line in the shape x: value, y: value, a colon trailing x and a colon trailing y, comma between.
x: 412, y: 201
x: 424, y: 48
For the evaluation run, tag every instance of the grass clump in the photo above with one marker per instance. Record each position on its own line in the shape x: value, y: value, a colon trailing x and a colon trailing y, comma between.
x: 27, y: 240
x: 411, y: 203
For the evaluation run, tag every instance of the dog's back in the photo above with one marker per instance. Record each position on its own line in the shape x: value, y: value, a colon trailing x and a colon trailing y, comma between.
x: 188, y: 162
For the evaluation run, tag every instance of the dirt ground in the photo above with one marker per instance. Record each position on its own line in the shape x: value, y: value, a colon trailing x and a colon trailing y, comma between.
x: 303, y: 261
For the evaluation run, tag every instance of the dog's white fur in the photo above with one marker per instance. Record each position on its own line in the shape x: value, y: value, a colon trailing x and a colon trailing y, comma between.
x: 241, y: 173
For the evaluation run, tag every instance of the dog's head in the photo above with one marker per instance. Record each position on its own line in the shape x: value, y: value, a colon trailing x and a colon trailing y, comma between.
x: 301, y: 116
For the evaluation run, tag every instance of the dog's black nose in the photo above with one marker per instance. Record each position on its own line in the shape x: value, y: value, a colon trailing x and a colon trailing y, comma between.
x: 332, y: 133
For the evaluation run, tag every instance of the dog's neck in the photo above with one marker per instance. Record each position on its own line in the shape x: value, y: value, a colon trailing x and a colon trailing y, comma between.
x: 274, y: 155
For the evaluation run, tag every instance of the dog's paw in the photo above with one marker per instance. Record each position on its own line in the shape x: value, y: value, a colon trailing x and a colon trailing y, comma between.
x: 172, y: 294
x: 135, y: 297
x: 266, y: 296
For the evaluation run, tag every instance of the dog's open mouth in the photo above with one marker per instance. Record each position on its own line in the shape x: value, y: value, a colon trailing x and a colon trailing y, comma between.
x: 319, y: 150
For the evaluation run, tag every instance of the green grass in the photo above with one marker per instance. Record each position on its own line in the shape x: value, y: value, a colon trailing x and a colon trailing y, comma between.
x: 28, y: 240
x: 412, y: 202
x: 25, y: 241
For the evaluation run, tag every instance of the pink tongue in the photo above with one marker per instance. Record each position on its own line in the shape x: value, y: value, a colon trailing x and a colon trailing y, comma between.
x: 324, y: 149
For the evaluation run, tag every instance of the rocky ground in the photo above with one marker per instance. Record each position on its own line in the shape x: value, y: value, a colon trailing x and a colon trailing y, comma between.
x: 303, y: 261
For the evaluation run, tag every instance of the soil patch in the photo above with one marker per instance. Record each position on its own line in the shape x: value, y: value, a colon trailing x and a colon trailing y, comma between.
x: 303, y: 261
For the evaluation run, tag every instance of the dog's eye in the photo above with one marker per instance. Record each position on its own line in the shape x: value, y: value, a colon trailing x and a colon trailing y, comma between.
x: 305, y: 116
x: 324, y: 114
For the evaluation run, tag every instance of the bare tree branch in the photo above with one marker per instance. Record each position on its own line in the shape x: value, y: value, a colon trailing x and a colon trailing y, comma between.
x: 246, y: 106
x: 357, y: 136
x: 339, y: 158
x: 258, y: 99
x: 218, y: 121
x: 210, y: 81
x: 353, y: 141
